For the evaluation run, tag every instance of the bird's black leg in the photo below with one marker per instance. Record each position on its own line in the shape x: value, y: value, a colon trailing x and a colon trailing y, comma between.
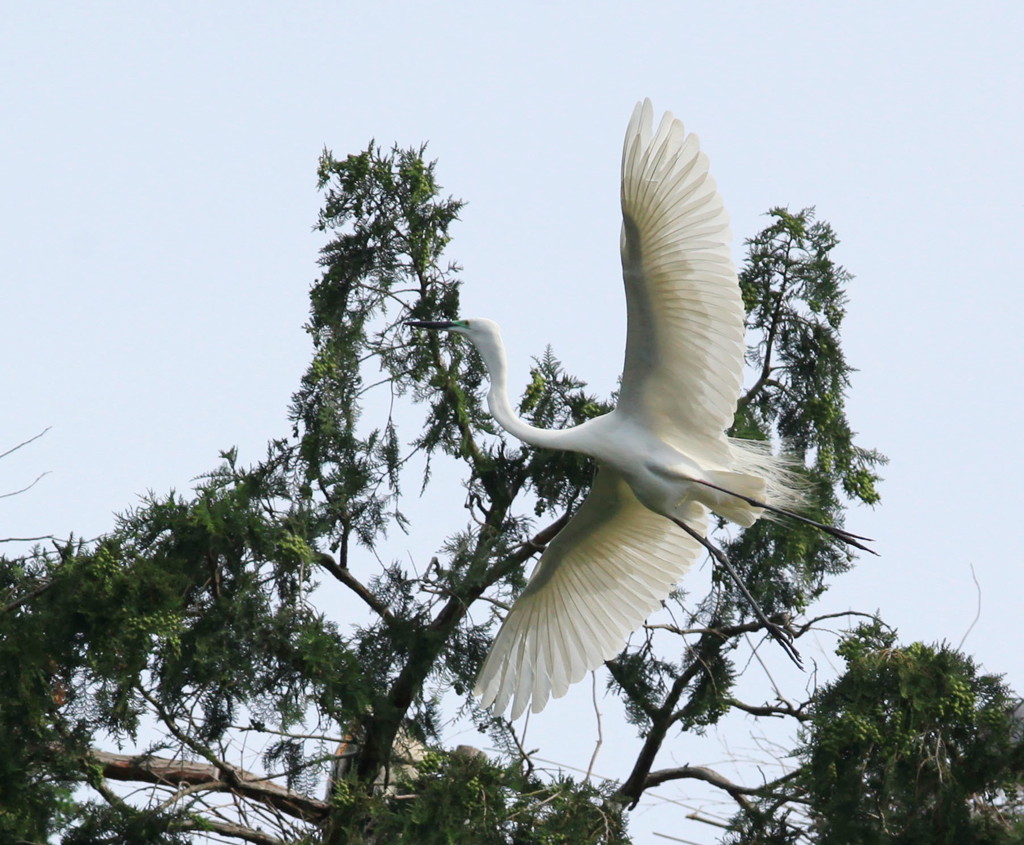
x: 783, y: 637
x: 838, y: 533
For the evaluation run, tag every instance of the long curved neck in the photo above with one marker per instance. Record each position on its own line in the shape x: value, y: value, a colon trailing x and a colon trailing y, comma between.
x: 492, y: 351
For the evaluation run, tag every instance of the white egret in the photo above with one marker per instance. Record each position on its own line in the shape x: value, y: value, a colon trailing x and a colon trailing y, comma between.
x: 663, y: 457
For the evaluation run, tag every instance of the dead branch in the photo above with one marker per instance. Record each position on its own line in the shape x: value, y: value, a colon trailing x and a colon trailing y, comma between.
x: 738, y: 792
x: 236, y: 831
x: 724, y: 632
x: 26, y: 539
x: 171, y: 772
x: 24, y: 442
x: 810, y: 623
x: 355, y: 585
x: 26, y: 487
x: 778, y: 710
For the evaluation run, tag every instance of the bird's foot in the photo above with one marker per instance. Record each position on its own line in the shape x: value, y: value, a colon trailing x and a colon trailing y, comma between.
x: 778, y: 633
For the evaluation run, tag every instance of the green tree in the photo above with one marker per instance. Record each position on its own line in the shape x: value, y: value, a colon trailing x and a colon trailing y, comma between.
x: 909, y: 745
x: 196, y: 628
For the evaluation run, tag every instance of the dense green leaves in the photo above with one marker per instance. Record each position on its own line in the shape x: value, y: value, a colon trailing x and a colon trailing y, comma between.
x: 900, y: 745
x: 795, y: 295
x: 909, y: 745
x: 463, y: 799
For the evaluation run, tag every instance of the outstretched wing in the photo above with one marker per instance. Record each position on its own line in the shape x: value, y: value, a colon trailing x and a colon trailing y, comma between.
x: 684, y: 343
x: 596, y: 582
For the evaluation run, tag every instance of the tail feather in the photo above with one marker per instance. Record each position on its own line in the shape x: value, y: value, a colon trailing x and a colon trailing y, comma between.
x: 784, y: 488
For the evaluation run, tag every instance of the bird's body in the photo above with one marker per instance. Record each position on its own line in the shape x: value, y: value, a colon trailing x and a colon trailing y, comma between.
x: 663, y: 475
x: 664, y: 459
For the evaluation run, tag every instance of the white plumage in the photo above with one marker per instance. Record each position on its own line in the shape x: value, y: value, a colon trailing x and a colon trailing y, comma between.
x: 664, y: 458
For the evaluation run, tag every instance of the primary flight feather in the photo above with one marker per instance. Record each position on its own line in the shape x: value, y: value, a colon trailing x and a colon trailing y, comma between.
x: 663, y: 457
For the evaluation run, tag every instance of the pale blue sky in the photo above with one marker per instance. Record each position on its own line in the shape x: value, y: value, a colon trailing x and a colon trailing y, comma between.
x: 157, y: 174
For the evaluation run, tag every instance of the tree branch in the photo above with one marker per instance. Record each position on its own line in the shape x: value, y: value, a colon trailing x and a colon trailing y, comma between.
x: 707, y: 775
x: 356, y: 586
x: 778, y: 710
x: 769, y: 343
x: 236, y: 831
x: 171, y: 772
x: 238, y: 780
x: 726, y: 632
x: 382, y: 727
x: 736, y: 791
x: 27, y: 487
x: 810, y: 623
x: 25, y: 442
x: 663, y: 718
x: 26, y: 539
x: 38, y: 590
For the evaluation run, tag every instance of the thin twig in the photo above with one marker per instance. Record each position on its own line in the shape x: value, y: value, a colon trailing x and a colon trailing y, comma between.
x: 977, y: 615
x: 25, y: 442
x: 23, y: 489
x: 526, y: 756
x: 26, y: 539
x: 597, y: 714
x: 810, y: 623
x: 725, y: 632
x: 697, y: 817
x: 263, y: 730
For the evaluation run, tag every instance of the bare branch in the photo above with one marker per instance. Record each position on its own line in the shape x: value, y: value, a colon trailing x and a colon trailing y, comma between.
x: 810, y: 623
x: 662, y: 718
x: 783, y: 708
x: 705, y: 774
x: 356, y: 586
x: 735, y: 790
x: 27, y: 487
x: 171, y: 772
x: 725, y: 632
x: 977, y: 615
x: 597, y: 714
x: 26, y: 539
x: 25, y: 442
x: 235, y: 831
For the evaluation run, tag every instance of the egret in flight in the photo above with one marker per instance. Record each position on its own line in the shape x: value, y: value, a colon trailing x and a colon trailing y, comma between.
x: 664, y: 460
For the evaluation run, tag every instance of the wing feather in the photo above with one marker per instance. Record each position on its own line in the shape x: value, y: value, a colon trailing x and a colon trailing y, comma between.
x: 684, y: 346
x: 596, y: 582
